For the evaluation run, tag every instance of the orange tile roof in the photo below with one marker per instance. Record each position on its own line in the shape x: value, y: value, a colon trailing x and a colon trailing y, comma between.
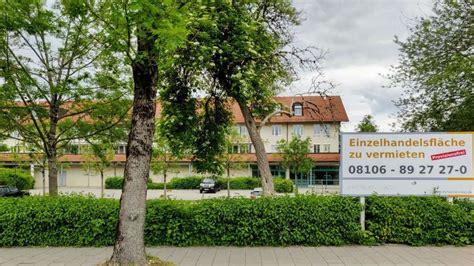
x: 315, y: 109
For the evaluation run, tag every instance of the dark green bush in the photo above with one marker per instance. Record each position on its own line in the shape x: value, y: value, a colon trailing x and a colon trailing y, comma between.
x: 190, y: 182
x: 114, y: 182
x: 280, y: 221
x: 58, y: 221
x: 467, y: 204
x: 156, y: 186
x: 302, y: 220
x: 243, y: 182
x: 419, y: 221
x: 283, y: 185
x: 80, y: 221
x: 15, y: 177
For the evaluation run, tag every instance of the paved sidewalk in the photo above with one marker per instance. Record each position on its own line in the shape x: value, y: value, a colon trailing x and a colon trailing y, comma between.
x: 347, y: 255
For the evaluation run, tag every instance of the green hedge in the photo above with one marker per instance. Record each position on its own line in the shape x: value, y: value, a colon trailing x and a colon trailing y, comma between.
x: 80, y: 221
x: 190, y: 182
x: 420, y: 220
x: 239, y: 182
x: 116, y: 182
x: 15, y: 177
x: 280, y: 221
x: 57, y: 221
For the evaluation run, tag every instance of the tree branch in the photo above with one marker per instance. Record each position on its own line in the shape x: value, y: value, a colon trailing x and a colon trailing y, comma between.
x: 268, y: 117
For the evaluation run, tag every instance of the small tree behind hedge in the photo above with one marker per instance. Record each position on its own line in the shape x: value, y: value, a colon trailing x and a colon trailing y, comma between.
x: 295, y: 155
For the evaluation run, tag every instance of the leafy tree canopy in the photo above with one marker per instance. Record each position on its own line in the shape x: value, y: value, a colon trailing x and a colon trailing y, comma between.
x: 295, y: 154
x: 367, y: 124
x: 237, y: 51
x: 436, y: 67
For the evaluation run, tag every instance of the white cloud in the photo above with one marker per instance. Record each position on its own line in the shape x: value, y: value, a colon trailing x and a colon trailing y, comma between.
x: 359, y: 36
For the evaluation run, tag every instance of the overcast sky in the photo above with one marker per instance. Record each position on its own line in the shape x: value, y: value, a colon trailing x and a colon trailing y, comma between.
x: 358, y: 35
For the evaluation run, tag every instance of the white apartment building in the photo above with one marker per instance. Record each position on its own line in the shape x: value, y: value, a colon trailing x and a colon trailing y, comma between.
x: 318, y: 118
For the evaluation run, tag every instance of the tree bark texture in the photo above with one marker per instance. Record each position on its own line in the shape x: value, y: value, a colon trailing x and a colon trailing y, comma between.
x: 262, y: 160
x: 164, y: 184
x: 102, y: 183
x: 51, y: 148
x: 129, y: 248
x: 52, y: 175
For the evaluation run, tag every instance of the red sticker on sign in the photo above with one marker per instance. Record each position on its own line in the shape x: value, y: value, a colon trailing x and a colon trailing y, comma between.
x: 446, y: 155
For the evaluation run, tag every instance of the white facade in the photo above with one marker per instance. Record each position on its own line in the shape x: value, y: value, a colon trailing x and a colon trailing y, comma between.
x: 323, y: 132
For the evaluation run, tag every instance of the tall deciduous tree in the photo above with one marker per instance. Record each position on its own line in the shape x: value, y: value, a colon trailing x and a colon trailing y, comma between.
x: 56, y: 83
x: 367, y: 124
x: 436, y: 69
x: 147, y: 33
x: 238, y: 51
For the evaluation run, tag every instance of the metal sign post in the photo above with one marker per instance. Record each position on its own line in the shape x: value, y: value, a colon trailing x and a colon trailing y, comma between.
x: 362, y: 213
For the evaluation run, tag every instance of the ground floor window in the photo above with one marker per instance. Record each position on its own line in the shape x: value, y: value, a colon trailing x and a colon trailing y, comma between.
x: 276, y: 170
x: 325, y: 175
x: 319, y: 175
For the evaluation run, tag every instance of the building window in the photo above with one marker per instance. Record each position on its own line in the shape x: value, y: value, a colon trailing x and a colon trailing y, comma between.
x: 298, y: 109
x: 276, y: 130
x: 276, y: 170
x: 326, y: 148
x: 321, y: 129
x: 317, y: 129
x: 298, y: 130
x: 240, y: 148
x: 243, y: 130
x: 121, y: 149
x: 326, y: 130
x: 317, y: 148
x: 245, y: 148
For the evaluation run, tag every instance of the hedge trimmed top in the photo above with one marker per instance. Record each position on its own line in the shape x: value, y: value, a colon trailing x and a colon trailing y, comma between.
x: 277, y: 221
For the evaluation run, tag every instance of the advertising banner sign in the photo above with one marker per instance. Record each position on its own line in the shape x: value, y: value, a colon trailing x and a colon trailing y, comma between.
x: 395, y: 164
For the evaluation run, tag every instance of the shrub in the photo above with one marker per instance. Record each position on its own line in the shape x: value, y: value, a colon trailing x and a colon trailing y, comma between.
x: 190, y: 182
x: 58, y: 221
x: 419, y: 220
x: 283, y: 185
x: 114, y: 182
x: 82, y: 221
x: 18, y: 178
x: 156, y: 186
x: 240, y: 182
x: 278, y: 221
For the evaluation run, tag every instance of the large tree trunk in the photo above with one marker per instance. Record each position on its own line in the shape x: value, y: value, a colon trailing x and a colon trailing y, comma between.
x: 51, y: 147
x: 53, y: 173
x: 228, y: 181
x: 101, y: 183
x: 262, y: 160
x: 164, y: 183
x: 129, y: 248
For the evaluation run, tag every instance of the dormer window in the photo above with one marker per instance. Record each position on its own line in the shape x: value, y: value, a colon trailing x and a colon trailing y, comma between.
x: 298, y: 109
